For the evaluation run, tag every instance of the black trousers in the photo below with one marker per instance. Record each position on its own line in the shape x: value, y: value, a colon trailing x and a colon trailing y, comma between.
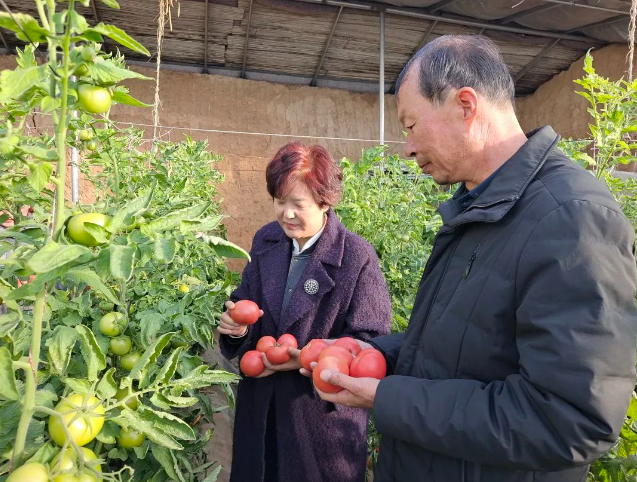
x: 271, y: 462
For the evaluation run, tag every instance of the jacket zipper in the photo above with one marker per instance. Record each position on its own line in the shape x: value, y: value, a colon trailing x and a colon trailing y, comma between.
x: 472, y: 258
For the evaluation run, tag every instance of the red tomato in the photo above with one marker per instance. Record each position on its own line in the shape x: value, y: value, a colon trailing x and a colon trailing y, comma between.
x: 349, y: 343
x: 288, y: 340
x: 22, y: 283
x: 265, y: 342
x: 337, y: 351
x: 252, y: 364
x: 369, y: 363
x: 311, y: 352
x: 245, y: 312
x: 330, y: 363
x: 278, y: 354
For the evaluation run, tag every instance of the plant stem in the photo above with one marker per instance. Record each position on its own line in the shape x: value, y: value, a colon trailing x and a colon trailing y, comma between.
x: 31, y: 380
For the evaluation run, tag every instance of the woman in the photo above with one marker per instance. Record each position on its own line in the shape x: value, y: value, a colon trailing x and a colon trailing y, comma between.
x: 314, y: 279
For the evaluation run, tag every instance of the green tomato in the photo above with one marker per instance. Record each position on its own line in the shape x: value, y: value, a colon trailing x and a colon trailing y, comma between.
x: 93, y: 98
x: 130, y: 360
x: 106, y: 305
x: 130, y: 438
x: 66, y: 464
x: 88, y: 53
x: 131, y: 403
x: 85, y: 135
x: 113, y: 323
x: 91, y: 145
x: 120, y: 345
x: 31, y: 472
x: 78, y: 233
x: 81, y: 70
x: 83, y: 425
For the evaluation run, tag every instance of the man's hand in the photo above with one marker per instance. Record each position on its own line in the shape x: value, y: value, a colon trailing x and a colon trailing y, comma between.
x: 356, y: 393
x: 292, y: 364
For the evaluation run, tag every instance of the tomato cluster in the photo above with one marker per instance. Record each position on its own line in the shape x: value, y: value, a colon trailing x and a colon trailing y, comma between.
x: 276, y: 351
x: 345, y: 356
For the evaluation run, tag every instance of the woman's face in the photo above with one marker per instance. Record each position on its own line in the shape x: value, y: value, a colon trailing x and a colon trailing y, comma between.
x: 298, y: 214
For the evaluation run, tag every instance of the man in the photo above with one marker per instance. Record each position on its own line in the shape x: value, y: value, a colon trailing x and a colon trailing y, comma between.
x: 518, y: 363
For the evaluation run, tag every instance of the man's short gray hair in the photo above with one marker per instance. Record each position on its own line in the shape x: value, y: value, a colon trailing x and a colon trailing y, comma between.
x: 456, y: 61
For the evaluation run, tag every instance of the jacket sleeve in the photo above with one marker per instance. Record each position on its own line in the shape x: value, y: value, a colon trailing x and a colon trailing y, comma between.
x: 576, y: 325
x: 369, y: 311
x: 231, y: 347
x: 389, y: 346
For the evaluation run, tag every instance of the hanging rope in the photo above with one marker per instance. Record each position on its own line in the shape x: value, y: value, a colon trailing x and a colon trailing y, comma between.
x: 165, y: 15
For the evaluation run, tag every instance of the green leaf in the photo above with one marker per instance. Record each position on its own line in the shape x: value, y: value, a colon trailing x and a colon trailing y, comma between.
x: 39, y: 175
x: 45, y: 453
x: 85, y: 275
x: 169, y: 368
x: 124, y: 98
x: 173, y: 220
x: 181, y: 402
x: 60, y: 348
x: 165, y: 250
x: 105, y: 72
x: 168, y: 423
x: 134, y: 421
x: 202, y: 377
x: 121, y: 263
x: 41, y: 153
x: 107, y: 387
x: 78, y: 386
x: 14, y: 83
x: 225, y: 248
x: 54, y: 255
x: 78, y: 23
x: 98, y: 232
x: 160, y: 401
x: 108, y: 433
x: 46, y: 397
x: 103, y: 264
x: 111, y: 3
x: 9, y: 321
x: 49, y: 104
x: 168, y: 461
x: 124, y: 217
x: 150, y: 355
x: 203, y: 226
x: 25, y: 27
x: 91, y: 351
x: 8, y: 387
x: 212, y: 476
x: 121, y: 38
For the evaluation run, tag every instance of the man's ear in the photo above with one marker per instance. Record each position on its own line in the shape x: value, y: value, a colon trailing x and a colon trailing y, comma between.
x: 467, y: 99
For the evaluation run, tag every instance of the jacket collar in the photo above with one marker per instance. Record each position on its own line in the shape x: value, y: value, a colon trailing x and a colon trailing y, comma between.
x: 508, y: 185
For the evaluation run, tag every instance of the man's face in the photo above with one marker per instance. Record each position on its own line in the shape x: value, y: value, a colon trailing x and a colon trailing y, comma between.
x: 437, y: 135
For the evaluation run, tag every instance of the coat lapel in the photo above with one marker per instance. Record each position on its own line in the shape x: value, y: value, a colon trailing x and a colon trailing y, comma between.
x: 328, y: 251
x: 274, y: 261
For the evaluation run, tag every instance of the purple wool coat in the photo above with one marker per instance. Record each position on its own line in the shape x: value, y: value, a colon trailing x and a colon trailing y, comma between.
x: 316, y: 440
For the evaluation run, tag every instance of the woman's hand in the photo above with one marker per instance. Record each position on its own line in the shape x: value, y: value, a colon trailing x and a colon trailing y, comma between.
x: 229, y: 327
x: 292, y: 364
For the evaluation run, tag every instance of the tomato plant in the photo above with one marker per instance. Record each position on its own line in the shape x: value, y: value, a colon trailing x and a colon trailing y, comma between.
x: 245, y: 312
x: 97, y: 270
x: 251, y: 363
x: 329, y: 363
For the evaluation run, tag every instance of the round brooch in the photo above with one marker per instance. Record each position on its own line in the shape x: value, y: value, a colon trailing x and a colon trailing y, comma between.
x: 311, y: 287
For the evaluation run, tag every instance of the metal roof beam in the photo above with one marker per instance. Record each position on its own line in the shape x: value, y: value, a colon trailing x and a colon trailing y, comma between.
x: 245, y: 48
x: 526, y: 13
x: 440, y: 5
x: 535, y: 59
x: 325, y: 49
